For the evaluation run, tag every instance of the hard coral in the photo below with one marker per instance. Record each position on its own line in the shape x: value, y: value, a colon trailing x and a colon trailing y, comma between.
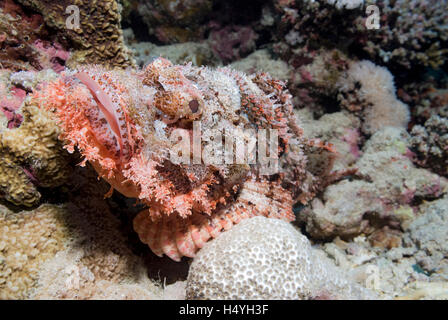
x: 27, y: 239
x: 267, y: 259
x: 73, y: 250
x: 32, y: 157
x: 98, y: 39
x: 411, y: 33
x: 124, y: 122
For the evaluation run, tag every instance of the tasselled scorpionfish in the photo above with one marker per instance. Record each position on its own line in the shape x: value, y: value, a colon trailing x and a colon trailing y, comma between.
x: 123, y: 122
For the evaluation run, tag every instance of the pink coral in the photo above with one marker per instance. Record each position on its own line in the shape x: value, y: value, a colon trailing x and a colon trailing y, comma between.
x: 123, y: 121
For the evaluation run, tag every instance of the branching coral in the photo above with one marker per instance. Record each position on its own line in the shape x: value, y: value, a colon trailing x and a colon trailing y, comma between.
x: 123, y: 122
x: 308, y: 22
x: 411, y: 33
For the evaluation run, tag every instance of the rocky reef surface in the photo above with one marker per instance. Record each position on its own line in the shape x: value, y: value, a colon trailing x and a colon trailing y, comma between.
x: 93, y: 207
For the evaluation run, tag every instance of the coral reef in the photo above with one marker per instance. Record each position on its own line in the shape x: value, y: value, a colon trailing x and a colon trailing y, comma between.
x: 26, y: 43
x: 175, y: 21
x: 123, y: 124
x: 74, y: 250
x: 97, y: 39
x: 169, y: 160
x: 411, y: 33
x: 263, y: 258
x: 32, y: 157
x: 27, y: 239
x: 386, y: 195
x: 430, y: 144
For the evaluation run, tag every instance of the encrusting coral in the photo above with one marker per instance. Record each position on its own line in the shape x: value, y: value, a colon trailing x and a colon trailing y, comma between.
x: 97, y: 39
x: 265, y: 258
x: 73, y: 250
x: 123, y: 123
x: 27, y: 239
x: 32, y: 156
